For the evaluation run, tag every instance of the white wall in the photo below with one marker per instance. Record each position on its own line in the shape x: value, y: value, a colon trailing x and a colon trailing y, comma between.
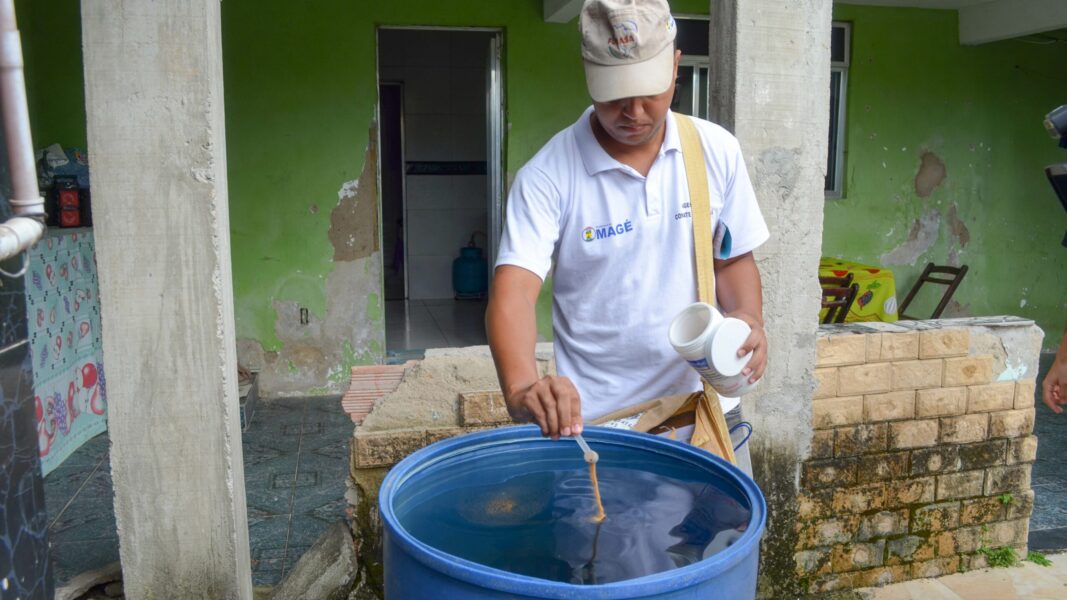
x: 444, y: 120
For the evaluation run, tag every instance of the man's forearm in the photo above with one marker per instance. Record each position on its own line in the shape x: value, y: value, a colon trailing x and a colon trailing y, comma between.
x: 511, y: 326
x: 738, y: 287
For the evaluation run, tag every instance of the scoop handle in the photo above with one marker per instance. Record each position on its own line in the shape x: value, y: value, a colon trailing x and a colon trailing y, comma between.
x: 590, y: 455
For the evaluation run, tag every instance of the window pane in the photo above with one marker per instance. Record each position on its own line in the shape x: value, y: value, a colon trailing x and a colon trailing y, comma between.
x: 835, y: 107
x: 693, y: 36
x: 702, y: 96
x: 683, y: 91
x: 837, y: 44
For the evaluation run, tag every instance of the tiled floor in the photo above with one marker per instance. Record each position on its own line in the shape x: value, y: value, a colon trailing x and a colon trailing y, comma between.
x: 296, y: 462
x: 423, y: 324
x: 1048, y: 525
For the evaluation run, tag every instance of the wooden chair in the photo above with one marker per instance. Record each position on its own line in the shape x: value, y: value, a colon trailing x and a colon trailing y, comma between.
x: 837, y: 301
x: 950, y: 277
x: 827, y: 281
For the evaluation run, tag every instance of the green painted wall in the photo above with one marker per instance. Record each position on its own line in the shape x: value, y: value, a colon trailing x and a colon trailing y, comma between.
x: 300, y: 97
x: 914, y: 89
x: 55, y: 84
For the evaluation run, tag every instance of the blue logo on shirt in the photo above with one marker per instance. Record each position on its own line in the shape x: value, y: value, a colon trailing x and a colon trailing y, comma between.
x: 590, y: 234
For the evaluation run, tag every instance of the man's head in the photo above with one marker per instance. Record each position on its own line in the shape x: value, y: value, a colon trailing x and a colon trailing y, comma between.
x: 630, y: 65
x: 627, y: 48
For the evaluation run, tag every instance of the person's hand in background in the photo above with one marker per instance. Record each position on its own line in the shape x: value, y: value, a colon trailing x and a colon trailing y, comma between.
x: 1054, y: 387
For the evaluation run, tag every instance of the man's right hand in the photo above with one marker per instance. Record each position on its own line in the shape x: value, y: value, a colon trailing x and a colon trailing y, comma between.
x: 552, y: 402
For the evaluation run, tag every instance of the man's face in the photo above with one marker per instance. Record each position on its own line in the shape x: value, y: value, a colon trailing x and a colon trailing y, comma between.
x: 636, y: 121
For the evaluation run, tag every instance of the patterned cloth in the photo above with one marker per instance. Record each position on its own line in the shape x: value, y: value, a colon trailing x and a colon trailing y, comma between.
x: 877, y: 296
x: 63, y: 309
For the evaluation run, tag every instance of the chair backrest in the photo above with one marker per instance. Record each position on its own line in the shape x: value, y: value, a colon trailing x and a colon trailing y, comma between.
x: 950, y: 277
x: 837, y: 301
x: 836, y: 281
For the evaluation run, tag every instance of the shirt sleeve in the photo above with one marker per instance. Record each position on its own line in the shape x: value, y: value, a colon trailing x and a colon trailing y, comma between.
x: 741, y: 215
x: 531, y: 227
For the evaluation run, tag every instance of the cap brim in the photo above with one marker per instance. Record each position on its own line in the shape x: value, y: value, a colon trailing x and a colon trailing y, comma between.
x: 649, y: 78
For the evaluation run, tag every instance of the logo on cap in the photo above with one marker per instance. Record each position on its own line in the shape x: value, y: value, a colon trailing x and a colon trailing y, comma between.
x: 624, y: 39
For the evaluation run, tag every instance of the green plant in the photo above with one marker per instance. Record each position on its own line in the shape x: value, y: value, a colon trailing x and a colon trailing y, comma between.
x: 1004, y: 556
x: 1038, y: 559
x: 1006, y: 499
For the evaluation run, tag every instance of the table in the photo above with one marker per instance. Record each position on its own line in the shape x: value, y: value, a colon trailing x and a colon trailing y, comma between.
x: 877, y: 296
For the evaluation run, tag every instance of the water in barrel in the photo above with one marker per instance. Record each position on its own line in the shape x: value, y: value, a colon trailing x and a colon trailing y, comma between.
x: 536, y: 517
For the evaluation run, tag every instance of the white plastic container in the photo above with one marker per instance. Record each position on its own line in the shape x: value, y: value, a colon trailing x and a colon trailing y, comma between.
x: 709, y: 342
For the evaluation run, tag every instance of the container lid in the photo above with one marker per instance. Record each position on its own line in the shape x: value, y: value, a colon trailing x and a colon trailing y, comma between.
x: 689, y: 330
x: 728, y: 337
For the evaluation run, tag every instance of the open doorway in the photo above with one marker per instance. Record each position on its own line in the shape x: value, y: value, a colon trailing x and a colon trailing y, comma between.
x: 439, y: 116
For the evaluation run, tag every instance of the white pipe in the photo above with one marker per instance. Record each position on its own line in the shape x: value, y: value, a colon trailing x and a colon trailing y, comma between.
x: 23, y: 230
x: 17, y: 234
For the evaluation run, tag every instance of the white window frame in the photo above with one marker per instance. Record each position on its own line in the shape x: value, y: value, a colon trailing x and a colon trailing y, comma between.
x: 837, y: 186
x: 697, y: 62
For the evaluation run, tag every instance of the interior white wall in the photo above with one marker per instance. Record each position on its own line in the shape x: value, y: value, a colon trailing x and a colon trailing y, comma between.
x: 444, y: 77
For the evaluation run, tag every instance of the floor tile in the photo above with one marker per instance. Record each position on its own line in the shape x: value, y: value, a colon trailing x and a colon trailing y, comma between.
x: 337, y: 450
x: 87, y: 519
x: 88, y: 454
x: 330, y: 512
x: 268, y: 485
x: 72, y: 558
x: 304, y: 531
x: 269, y: 536
x: 313, y: 434
x: 62, y: 484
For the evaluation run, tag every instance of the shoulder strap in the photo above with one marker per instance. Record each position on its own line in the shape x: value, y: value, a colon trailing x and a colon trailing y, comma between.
x: 710, y: 432
x: 696, y: 172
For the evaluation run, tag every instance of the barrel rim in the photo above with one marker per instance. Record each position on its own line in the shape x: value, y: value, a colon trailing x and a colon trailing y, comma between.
x: 488, y: 577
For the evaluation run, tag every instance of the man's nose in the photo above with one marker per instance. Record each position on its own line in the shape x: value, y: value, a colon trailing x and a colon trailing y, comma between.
x: 632, y: 108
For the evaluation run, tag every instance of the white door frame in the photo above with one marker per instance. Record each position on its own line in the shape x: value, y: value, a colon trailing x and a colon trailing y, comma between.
x: 496, y: 132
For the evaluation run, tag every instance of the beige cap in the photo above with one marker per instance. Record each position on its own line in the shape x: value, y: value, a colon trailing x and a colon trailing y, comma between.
x: 627, y: 47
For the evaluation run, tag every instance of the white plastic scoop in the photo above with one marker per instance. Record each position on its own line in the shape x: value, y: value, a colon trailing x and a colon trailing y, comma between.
x: 590, y: 456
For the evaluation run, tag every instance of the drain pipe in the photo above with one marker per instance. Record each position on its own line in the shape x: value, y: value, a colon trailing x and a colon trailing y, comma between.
x: 23, y: 230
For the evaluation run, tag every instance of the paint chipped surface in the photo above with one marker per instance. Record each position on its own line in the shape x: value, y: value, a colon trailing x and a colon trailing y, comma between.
x: 931, y: 174
x: 959, y: 230
x: 315, y: 358
x: 922, y: 236
x: 354, y: 221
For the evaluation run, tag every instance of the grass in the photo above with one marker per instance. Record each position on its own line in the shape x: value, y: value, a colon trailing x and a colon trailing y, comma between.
x: 1004, y: 556
x: 1038, y: 559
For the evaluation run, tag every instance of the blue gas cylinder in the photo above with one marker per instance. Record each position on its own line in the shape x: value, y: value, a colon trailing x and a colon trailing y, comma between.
x: 470, y: 273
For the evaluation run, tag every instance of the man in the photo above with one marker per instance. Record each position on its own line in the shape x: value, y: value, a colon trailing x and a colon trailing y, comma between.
x: 607, y: 201
x: 1054, y: 387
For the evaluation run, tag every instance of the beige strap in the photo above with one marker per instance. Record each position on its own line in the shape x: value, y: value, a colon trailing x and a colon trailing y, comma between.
x: 696, y: 172
x: 710, y: 432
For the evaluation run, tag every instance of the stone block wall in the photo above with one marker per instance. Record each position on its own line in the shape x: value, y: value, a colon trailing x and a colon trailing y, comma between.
x: 921, y: 452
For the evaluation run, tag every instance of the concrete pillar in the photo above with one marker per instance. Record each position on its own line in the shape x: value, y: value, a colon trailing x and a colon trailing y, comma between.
x: 154, y: 102
x: 771, y: 82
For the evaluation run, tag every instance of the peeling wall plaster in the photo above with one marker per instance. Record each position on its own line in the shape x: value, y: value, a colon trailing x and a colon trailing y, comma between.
x: 931, y: 174
x: 921, y: 237
x: 316, y: 357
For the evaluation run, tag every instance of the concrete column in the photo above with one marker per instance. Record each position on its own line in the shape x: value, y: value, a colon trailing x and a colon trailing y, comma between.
x: 154, y: 101
x: 771, y: 73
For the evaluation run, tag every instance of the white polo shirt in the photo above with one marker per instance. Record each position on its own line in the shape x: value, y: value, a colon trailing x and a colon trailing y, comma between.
x: 622, y: 246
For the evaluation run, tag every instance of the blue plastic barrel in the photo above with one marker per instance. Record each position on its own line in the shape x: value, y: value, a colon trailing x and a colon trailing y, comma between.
x: 415, y: 571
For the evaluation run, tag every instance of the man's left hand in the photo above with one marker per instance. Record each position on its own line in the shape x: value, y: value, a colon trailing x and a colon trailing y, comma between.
x: 756, y: 344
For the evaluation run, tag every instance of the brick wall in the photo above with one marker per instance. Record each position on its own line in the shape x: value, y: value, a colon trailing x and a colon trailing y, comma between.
x: 921, y: 454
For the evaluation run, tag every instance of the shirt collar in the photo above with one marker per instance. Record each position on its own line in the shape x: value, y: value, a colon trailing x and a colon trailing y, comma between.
x: 597, y: 159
